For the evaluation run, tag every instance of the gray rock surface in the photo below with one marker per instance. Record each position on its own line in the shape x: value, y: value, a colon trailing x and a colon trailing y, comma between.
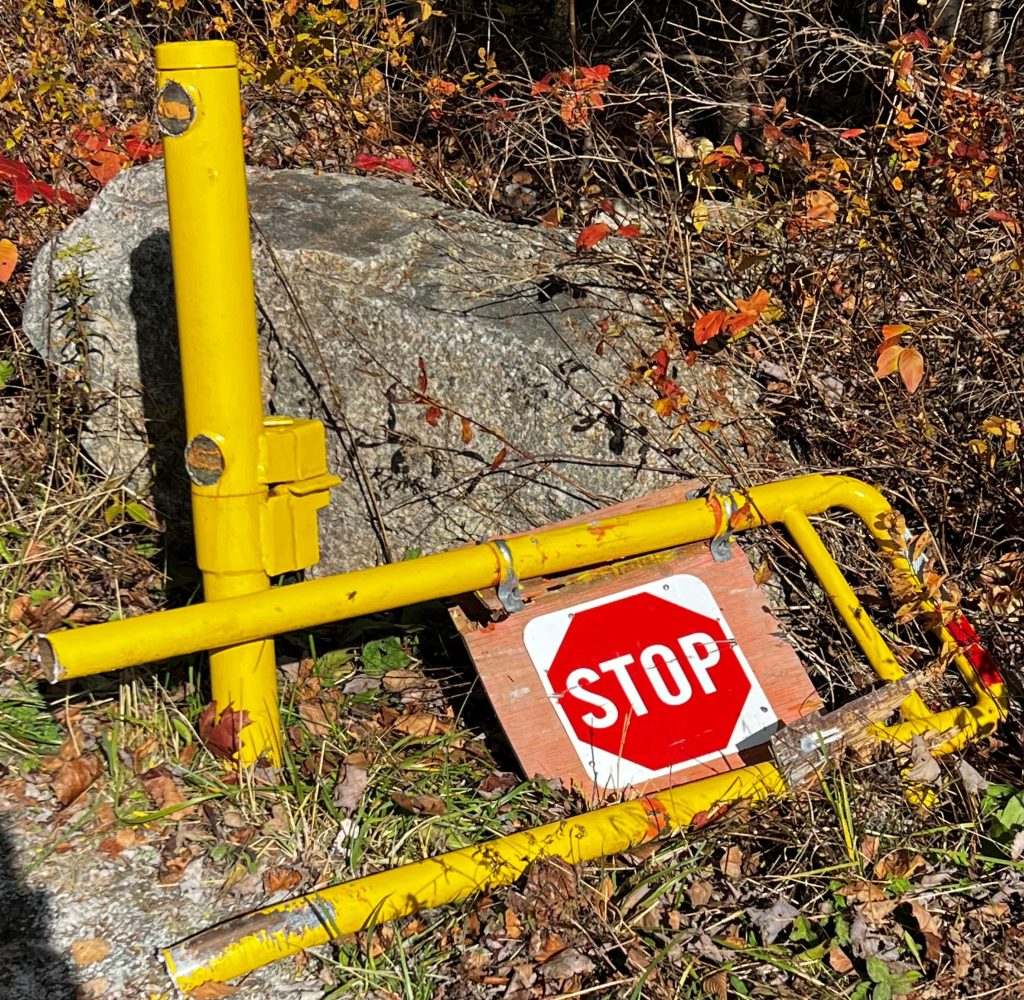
x: 357, y: 279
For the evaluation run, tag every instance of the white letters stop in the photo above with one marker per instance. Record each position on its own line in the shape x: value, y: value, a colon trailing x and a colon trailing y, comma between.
x: 699, y: 651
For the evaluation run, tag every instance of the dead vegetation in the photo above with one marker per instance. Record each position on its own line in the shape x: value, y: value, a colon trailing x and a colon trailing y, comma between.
x: 852, y: 175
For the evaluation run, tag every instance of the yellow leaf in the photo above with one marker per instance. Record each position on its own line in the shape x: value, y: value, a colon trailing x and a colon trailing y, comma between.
x: 897, y: 183
x: 663, y: 407
x: 6, y: 86
x: 699, y: 216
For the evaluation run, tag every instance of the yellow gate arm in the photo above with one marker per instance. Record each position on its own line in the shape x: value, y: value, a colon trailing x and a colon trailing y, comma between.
x: 789, y: 502
x: 247, y: 942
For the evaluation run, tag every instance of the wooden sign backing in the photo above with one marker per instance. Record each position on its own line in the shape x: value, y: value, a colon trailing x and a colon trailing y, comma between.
x: 525, y: 708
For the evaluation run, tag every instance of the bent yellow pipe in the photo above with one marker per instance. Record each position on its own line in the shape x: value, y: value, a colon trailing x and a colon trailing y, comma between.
x: 247, y: 942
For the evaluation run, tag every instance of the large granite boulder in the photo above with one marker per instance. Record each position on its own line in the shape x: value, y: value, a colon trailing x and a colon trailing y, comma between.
x: 357, y: 280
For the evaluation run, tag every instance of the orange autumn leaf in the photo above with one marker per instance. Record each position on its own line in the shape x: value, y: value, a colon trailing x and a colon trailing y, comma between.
x: 888, y: 359
x: 592, y: 235
x: 891, y: 330
x: 467, y: 431
x: 821, y: 207
x: 709, y: 325
x: 8, y: 260
x: 911, y: 365
x: 756, y: 304
x: 750, y: 312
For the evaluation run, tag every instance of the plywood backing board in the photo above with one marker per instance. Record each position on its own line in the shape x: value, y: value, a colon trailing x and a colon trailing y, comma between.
x: 641, y: 607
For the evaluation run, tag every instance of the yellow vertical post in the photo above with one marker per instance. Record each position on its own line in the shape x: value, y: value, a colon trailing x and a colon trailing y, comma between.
x: 199, y: 114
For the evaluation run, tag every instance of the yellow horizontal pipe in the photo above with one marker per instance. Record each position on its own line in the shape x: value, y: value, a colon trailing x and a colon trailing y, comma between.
x: 244, y: 943
x: 113, y: 645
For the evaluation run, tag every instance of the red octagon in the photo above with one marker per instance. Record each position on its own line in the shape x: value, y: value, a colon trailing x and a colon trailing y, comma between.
x: 649, y: 681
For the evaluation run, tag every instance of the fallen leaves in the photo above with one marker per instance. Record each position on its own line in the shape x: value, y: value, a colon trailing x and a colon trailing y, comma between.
x: 222, y: 736
x: 924, y: 768
x: 731, y: 864
x: 900, y: 863
x: 420, y: 805
x: 348, y: 792
x: 699, y: 893
x: 820, y: 207
x: 74, y: 777
x: 773, y: 920
x: 163, y: 791
x: 279, y: 878
x: 212, y: 991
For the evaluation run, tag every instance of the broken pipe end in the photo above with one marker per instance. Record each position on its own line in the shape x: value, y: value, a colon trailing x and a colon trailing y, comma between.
x: 52, y: 667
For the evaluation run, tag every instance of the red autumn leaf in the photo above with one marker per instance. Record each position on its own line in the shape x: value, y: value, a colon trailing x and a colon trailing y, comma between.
x: 659, y: 363
x: 23, y: 190
x: 915, y: 139
x: 365, y: 161
x: 911, y: 364
x: 222, y: 736
x: 709, y: 325
x: 592, y: 235
x: 8, y: 260
x: 628, y: 232
x: 421, y: 379
x: 599, y: 73
x: 433, y: 415
x: 400, y: 165
x: 851, y: 133
x: 498, y: 459
x: 543, y: 85
x: 467, y: 431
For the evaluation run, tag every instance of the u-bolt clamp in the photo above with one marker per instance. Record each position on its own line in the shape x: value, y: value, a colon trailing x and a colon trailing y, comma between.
x: 721, y: 541
x: 508, y: 582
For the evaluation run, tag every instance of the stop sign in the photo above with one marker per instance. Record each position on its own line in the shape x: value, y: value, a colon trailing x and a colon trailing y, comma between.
x: 648, y: 680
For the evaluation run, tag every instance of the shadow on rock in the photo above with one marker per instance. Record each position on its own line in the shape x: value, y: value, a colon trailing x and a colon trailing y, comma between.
x: 30, y: 966
x: 163, y: 404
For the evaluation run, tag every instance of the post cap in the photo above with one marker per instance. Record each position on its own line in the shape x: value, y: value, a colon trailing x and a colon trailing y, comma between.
x: 196, y: 55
